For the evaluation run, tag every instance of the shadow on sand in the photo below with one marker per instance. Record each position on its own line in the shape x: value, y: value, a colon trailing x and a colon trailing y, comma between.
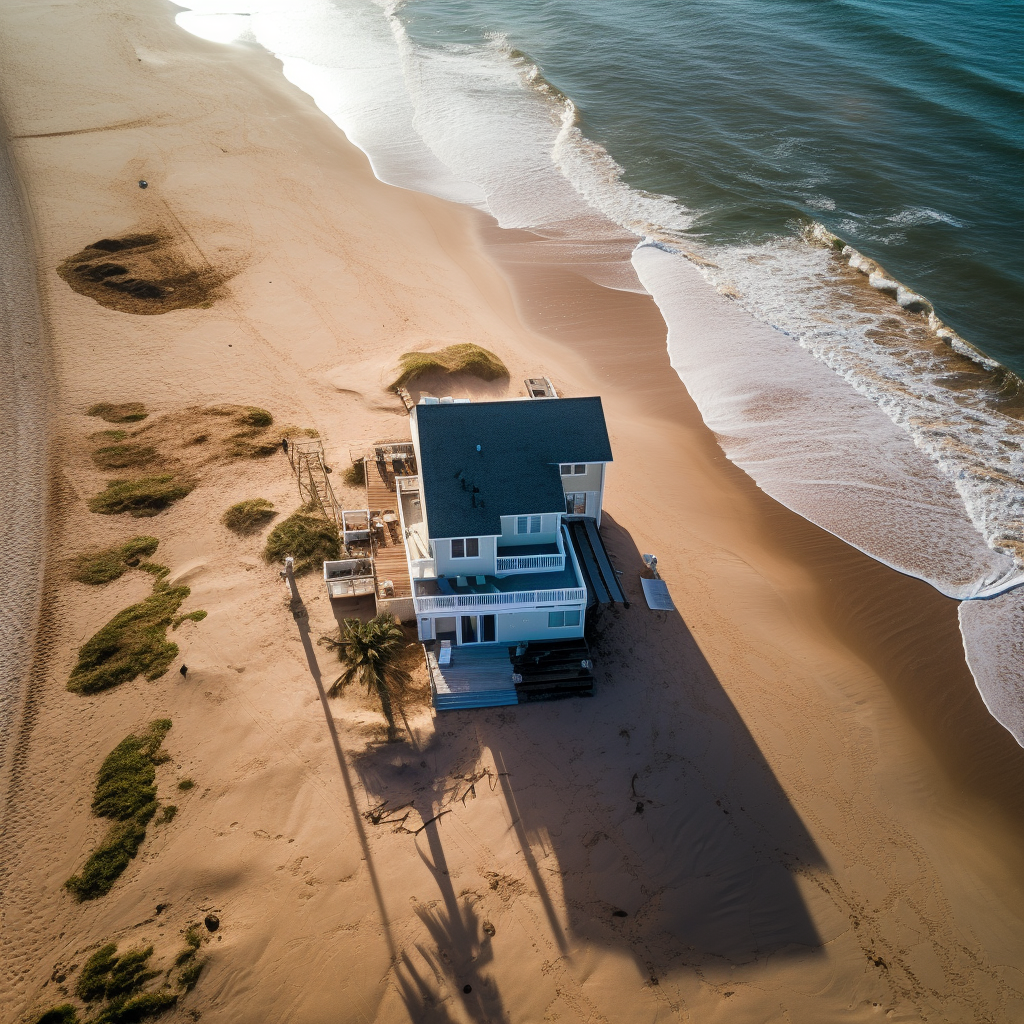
x: 647, y: 813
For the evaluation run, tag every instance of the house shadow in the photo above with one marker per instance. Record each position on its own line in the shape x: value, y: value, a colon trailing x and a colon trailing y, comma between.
x: 644, y: 818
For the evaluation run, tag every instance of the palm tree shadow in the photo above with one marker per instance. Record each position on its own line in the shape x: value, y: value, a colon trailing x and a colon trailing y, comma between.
x: 650, y: 805
x: 461, y: 948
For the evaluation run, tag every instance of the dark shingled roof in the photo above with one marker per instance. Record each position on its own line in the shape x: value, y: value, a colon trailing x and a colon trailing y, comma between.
x: 466, y: 492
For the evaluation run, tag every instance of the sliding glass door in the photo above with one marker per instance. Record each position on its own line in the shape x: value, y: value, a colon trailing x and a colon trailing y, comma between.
x: 477, y: 629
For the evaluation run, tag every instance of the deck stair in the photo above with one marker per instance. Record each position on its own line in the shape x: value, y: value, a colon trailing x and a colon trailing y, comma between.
x: 307, y: 459
x: 602, y: 581
x: 479, y: 676
x: 552, y: 670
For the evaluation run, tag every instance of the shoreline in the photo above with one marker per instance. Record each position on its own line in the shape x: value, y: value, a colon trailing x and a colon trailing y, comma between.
x: 784, y: 614
x: 922, y: 519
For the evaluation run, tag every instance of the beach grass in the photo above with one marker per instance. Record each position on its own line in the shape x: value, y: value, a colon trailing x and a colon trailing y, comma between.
x: 197, y: 616
x: 99, y: 567
x: 186, y: 784
x: 253, y: 416
x: 119, y: 981
x: 144, y: 1006
x: 125, y: 793
x: 464, y: 358
x: 190, y: 963
x: 244, y: 445
x: 124, y: 456
x: 123, y: 412
x: 308, y: 538
x: 141, y: 498
x: 249, y: 516
x: 66, y: 1013
x: 133, y: 643
x: 355, y: 475
x: 189, y: 974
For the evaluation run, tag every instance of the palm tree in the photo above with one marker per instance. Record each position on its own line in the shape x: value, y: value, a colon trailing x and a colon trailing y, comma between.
x: 371, y: 653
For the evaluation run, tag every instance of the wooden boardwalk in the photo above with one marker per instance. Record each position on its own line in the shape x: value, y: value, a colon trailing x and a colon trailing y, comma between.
x: 389, y: 561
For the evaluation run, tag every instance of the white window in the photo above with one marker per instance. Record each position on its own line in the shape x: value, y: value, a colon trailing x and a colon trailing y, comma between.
x: 527, y: 524
x: 572, y: 469
x: 556, y: 620
x: 466, y: 547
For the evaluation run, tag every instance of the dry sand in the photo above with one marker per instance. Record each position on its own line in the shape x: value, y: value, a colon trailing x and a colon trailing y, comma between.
x: 831, y: 824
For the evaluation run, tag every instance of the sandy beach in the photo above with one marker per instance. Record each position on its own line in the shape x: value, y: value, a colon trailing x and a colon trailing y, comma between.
x: 832, y: 821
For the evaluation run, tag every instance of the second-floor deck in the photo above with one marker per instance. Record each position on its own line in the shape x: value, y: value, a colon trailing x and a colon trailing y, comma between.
x: 465, y: 593
x: 529, y: 558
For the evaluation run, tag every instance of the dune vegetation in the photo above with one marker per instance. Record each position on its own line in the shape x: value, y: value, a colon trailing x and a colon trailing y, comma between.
x: 465, y: 358
x: 126, y: 794
x: 114, y: 412
x: 103, y: 566
x: 133, y: 643
x: 308, y: 538
x: 249, y: 516
x: 140, y: 498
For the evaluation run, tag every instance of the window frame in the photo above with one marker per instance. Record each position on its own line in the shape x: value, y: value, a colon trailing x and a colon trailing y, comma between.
x: 572, y: 469
x: 465, y: 542
x: 529, y: 521
x: 564, y: 616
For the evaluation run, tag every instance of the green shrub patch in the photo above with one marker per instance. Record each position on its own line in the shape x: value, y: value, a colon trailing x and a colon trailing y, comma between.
x: 310, y: 539
x: 124, y: 456
x: 99, y: 567
x: 249, y: 516
x: 133, y: 643
x: 465, y: 358
x: 118, y: 983
x: 126, y: 793
x: 64, y: 1014
x: 355, y: 475
x: 253, y: 416
x: 123, y: 412
x: 141, y: 498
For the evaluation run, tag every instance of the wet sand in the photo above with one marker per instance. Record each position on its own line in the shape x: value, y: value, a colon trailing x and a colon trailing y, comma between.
x: 831, y: 821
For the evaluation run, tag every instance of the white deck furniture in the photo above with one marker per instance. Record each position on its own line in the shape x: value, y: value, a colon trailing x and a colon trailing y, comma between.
x: 349, y: 577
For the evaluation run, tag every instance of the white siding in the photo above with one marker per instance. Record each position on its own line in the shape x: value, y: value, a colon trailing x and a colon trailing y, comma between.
x: 548, y: 531
x: 533, y: 625
x: 483, y: 565
x: 589, y: 481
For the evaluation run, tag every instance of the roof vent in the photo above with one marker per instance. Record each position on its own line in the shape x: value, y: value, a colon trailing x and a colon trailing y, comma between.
x: 479, y: 448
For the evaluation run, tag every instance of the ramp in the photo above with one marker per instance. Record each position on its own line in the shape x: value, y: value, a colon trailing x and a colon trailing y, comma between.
x: 602, y: 582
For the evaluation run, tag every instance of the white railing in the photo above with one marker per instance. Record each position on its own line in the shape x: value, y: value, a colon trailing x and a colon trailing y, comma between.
x: 464, y: 602
x: 510, y: 564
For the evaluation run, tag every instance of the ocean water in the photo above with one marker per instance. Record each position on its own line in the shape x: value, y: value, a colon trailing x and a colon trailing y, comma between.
x: 830, y: 188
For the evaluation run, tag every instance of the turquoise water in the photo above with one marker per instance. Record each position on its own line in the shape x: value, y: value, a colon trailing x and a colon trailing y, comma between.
x: 898, y: 125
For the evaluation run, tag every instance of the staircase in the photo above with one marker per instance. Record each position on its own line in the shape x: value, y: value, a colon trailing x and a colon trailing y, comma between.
x: 479, y: 676
x: 307, y: 459
x: 553, y: 670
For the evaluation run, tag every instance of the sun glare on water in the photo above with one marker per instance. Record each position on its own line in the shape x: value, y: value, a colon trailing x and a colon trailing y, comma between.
x: 217, y: 28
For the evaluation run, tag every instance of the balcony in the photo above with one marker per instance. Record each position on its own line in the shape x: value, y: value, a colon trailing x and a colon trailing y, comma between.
x: 499, y: 593
x: 530, y: 558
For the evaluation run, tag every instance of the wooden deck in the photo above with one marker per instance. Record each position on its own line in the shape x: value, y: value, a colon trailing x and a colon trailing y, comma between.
x: 480, y: 675
x: 389, y: 561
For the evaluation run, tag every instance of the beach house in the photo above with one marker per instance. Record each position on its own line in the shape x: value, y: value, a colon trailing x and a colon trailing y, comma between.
x: 501, y: 534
